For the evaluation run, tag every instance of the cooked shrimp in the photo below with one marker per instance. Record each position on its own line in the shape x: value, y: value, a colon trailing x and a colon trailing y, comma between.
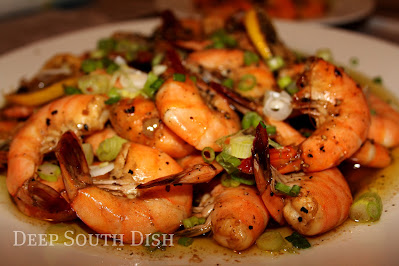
x: 340, y: 109
x: 197, y: 121
x: 384, y: 128
x: 372, y: 154
x: 159, y: 209
x: 138, y: 120
x: 230, y: 64
x: 237, y: 217
x: 322, y: 204
x: 82, y: 114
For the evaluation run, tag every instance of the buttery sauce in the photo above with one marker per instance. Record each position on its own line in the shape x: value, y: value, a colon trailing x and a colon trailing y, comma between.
x: 383, y: 181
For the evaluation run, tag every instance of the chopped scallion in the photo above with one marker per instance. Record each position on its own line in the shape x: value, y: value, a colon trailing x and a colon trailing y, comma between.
x: 242, y: 179
x: 69, y: 90
x: 228, y: 162
x: 227, y: 181
x: 275, y: 63
x: 298, y: 241
x: 185, y: 241
x: 250, y: 58
x: 157, y: 59
x: 49, y: 172
x: 109, y: 148
x: 247, y: 82
x: 208, y: 154
x: 250, y: 119
x: 366, y: 208
x: 325, y: 54
x: 229, y: 83
x: 271, y: 241
x: 106, y: 45
x: 287, y: 190
x: 377, y: 80
x: 283, y: 82
x: 241, y: 146
x: 179, y: 77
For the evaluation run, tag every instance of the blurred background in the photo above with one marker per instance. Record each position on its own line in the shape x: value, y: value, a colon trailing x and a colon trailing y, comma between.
x: 25, y: 21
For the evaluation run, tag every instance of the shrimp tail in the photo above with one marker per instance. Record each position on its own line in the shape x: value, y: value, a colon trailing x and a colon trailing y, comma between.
x: 263, y: 175
x: 73, y: 164
x: 261, y: 160
x: 38, y: 200
x: 199, y: 173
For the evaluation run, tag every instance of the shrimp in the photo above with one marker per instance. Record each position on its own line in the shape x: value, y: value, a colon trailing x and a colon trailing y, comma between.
x: 197, y: 121
x: 372, y: 154
x: 230, y: 64
x: 236, y: 216
x: 341, y: 112
x: 82, y: 114
x: 138, y: 120
x: 159, y: 209
x: 315, y: 209
x: 384, y: 127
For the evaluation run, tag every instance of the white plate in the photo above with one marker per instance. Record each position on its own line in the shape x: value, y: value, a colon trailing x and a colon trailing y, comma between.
x: 340, y: 12
x: 360, y: 245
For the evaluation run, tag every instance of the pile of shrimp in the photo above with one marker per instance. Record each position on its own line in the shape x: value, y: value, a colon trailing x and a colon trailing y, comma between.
x: 166, y: 132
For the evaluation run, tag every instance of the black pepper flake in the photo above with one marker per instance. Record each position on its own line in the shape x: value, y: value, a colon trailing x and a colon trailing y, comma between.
x: 167, y: 163
x: 176, y: 185
x: 86, y: 127
x: 322, y: 149
x: 303, y: 209
x: 129, y: 110
x: 310, y: 177
x: 299, y: 219
x: 167, y: 188
x: 130, y: 171
x: 310, y: 155
x: 337, y: 72
x: 48, y: 121
x: 250, y: 227
x: 271, y: 194
x: 54, y: 112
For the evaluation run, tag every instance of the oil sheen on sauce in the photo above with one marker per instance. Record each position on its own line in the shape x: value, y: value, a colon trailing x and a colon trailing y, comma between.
x: 383, y: 181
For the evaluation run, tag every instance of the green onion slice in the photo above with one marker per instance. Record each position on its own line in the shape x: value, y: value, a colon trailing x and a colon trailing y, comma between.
x: 366, y: 208
x: 49, y: 172
x: 157, y: 59
x: 109, y: 148
x: 208, y: 154
x: 287, y: 190
x: 271, y: 241
x: 229, y: 83
x: 298, y: 241
x: 179, y: 77
x: 227, y: 181
x: 250, y: 119
x: 325, y: 54
x: 275, y: 63
x: 241, y: 146
x: 283, y: 82
x: 242, y: 179
x: 185, y: 241
x: 228, y: 162
x: 69, y: 90
x: 247, y: 82
x: 250, y: 58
